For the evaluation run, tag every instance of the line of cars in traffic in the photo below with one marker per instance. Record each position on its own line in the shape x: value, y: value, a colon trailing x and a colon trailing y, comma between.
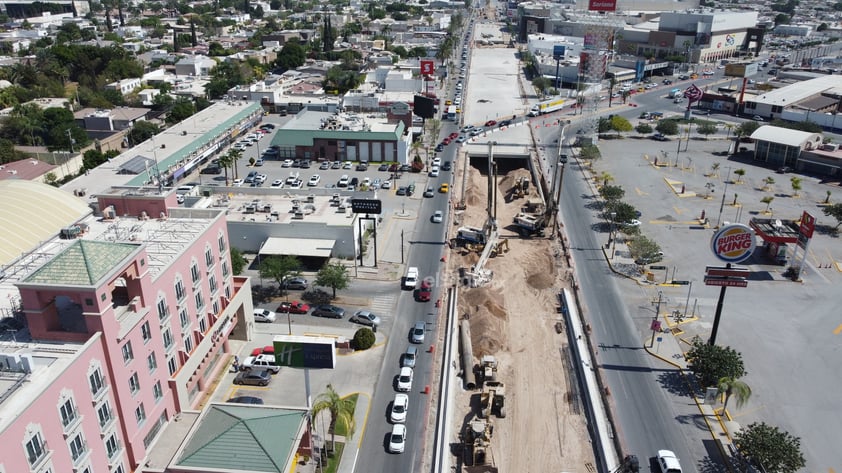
x: 403, y: 385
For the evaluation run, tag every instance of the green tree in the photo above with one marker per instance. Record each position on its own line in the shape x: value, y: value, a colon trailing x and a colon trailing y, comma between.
x: 775, y: 450
x: 603, y: 125
x: 706, y: 128
x: 279, y: 268
x: 667, y: 127
x: 733, y: 387
x: 767, y: 200
x: 710, y: 363
x: 605, y: 177
x: 768, y: 183
x: 624, y: 212
x: 643, y: 128
x: 747, y: 128
x: 334, y: 276
x: 612, y: 193
x: 364, y: 339
x: 181, y: 110
x: 740, y: 173
x: 238, y: 262
x: 644, y: 250
x: 541, y: 84
x: 795, y: 182
x: 142, y: 131
x: 292, y: 55
x: 590, y: 153
x: 835, y: 211
x: 341, y: 412
x: 228, y: 160
x: 620, y: 124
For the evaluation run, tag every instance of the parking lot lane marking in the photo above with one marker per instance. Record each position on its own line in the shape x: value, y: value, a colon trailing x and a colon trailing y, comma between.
x: 678, y: 210
x: 838, y: 330
x: 640, y: 192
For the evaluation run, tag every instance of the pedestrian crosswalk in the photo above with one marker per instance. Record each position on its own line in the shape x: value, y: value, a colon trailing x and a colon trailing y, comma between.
x: 383, y: 305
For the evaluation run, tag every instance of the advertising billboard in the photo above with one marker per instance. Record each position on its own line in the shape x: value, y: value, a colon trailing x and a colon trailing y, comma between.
x: 428, y: 67
x: 602, y: 5
x: 741, y: 70
x: 305, y: 352
x: 733, y: 243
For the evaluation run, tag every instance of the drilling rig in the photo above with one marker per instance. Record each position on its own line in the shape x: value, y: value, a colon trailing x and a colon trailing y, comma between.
x: 477, y: 275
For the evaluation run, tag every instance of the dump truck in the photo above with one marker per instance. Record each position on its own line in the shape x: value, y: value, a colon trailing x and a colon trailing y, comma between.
x: 471, y: 235
x: 548, y: 106
x: 529, y: 223
x: 520, y: 188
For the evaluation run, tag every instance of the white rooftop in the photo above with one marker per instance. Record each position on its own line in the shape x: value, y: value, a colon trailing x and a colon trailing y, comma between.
x: 792, y: 94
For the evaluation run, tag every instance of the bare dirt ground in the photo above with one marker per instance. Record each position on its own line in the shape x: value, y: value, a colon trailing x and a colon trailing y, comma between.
x: 514, y: 319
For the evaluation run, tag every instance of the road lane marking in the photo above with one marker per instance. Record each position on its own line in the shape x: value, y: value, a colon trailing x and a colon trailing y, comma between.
x: 838, y: 330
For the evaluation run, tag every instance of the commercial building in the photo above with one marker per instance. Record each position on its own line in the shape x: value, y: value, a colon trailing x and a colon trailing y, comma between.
x: 128, y: 313
x: 344, y: 136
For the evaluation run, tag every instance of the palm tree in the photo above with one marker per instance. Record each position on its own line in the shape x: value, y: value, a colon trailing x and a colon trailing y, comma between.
x: 605, y: 177
x: 226, y: 161
x: 714, y: 169
x: 767, y: 200
x: 341, y: 412
x: 733, y: 387
x: 768, y: 182
x: 796, y: 185
x: 740, y: 173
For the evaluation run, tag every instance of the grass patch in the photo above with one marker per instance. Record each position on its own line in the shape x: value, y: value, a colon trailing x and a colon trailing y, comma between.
x: 333, y: 459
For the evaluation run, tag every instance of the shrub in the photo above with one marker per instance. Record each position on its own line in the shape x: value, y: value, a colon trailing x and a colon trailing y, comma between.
x: 363, y: 339
x: 316, y: 296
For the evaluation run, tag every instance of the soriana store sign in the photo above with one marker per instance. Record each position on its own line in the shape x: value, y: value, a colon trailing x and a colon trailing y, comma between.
x: 733, y: 243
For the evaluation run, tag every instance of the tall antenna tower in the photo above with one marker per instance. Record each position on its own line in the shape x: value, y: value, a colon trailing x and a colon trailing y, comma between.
x: 593, y: 61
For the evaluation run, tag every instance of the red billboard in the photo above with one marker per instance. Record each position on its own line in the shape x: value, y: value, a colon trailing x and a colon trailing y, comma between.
x: 428, y: 68
x: 808, y: 225
x: 602, y: 5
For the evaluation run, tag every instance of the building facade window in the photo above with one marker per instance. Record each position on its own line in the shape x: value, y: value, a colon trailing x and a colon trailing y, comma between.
x: 225, y: 268
x: 200, y: 301
x: 112, y: 446
x: 183, y: 317
x: 96, y: 381
x: 146, y: 332
x: 216, y: 306
x: 128, y: 355
x: 167, y: 337
x: 68, y: 412
x: 104, y: 414
x: 140, y: 414
x: 209, y: 260
x: 221, y: 241
x: 134, y: 383
x: 157, y: 391
x: 36, y: 449
x: 195, y: 276
x: 188, y: 343
x: 180, y: 293
x: 78, y: 448
x: 203, y: 324
x: 152, y: 362
x: 172, y: 365
x: 163, y: 309
x: 212, y: 284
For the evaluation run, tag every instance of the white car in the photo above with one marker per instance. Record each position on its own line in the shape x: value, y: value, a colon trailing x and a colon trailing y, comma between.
x: 287, y: 163
x: 397, y: 439
x: 436, y: 162
x: 263, y: 315
x: 437, y: 216
x: 260, y: 178
x: 278, y: 183
x: 343, y: 181
x: 434, y: 172
x: 237, y: 183
x: 668, y: 462
x: 399, y: 408
x: 461, y: 139
x: 387, y: 184
x: 405, y: 379
x: 314, y: 180
x: 240, y: 146
x: 347, y: 165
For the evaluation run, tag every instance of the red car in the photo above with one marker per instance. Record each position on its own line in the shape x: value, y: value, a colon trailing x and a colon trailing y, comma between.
x: 453, y: 136
x: 445, y: 141
x: 426, y: 290
x: 293, y: 307
x: 491, y: 123
x: 267, y: 350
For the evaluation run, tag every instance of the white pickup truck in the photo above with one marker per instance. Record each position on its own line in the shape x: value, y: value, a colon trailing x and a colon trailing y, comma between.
x: 411, y: 279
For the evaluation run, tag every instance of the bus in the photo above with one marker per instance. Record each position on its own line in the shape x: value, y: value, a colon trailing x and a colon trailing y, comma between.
x: 451, y: 113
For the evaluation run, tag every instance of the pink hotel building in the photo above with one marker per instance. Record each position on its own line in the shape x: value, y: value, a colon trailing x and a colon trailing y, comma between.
x: 130, y: 313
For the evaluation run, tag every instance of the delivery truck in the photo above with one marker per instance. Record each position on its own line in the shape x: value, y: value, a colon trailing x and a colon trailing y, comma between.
x: 548, y: 106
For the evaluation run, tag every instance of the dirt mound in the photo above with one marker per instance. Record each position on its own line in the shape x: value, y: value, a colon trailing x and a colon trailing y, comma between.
x: 540, y: 270
x: 485, y: 309
x: 509, y: 179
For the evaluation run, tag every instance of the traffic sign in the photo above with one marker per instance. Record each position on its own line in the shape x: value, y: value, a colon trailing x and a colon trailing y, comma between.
x: 680, y: 283
x: 366, y: 206
x: 727, y: 282
x: 653, y: 267
x: 722, y: 272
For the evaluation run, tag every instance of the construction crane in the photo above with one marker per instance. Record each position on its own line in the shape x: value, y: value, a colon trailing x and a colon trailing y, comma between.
x: 478, y: 275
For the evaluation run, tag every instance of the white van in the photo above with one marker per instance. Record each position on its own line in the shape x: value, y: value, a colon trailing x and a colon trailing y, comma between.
x: 343, y: 181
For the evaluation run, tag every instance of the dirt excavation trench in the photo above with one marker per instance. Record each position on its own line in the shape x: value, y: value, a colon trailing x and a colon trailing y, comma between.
x: 515, y: 319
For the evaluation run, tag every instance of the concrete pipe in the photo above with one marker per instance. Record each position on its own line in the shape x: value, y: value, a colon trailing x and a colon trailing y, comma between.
x: 465, y: 345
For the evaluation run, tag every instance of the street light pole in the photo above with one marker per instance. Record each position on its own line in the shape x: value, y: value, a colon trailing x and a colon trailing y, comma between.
x: 613, y: 238
x: 401, y: 246
x: 655, y: 319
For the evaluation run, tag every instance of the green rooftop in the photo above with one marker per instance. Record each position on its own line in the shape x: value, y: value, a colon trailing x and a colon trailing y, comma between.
x: 83, y: 263
x: 244, y: 438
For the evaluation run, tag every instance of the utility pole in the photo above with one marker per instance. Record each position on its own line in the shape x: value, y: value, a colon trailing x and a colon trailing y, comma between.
x: 655, y: 319
x: 724, y: 192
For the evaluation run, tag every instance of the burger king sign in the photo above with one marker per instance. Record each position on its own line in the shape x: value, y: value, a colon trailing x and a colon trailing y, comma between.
x: 733, y: 243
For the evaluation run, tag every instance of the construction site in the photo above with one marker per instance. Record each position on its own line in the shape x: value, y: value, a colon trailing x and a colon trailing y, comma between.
x: 519, y: 384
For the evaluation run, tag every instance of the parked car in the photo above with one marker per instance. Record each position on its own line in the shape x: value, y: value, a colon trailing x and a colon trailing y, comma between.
x: 446, y: 166
x: 263, y: 315
x: 246, y: 400
x: 387, y: 184
x: 287, y: 163
x: 261, y: 362
x: 336, y: 165
x: 314, y: 180
x: 278, y: 183
x: 416, y: 335
x: 362, y: 167
x: 439, y: 148
x: 401, y: 191
x: 294, y: 307
x: 253, y: 378
x: 409, y: 356
x: 347, y: 165
x: 330, y: 311
x: 453, y: 135
x: 428, y: 192
x: 324, y: 165
x: 237, y: 183
x: 505, y: 123
x: 490, y: 123
x: 399, y: 407
x: 383, y: 167
x: 365, y: 317
x: 397, y: 439
x: 295, y: 283
x: 405, y: 379
x: 659, y: 137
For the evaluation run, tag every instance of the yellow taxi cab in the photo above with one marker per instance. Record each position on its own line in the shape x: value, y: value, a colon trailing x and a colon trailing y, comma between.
x: 444, y: 188
x: 694, y: 76
x: 448, y: 103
